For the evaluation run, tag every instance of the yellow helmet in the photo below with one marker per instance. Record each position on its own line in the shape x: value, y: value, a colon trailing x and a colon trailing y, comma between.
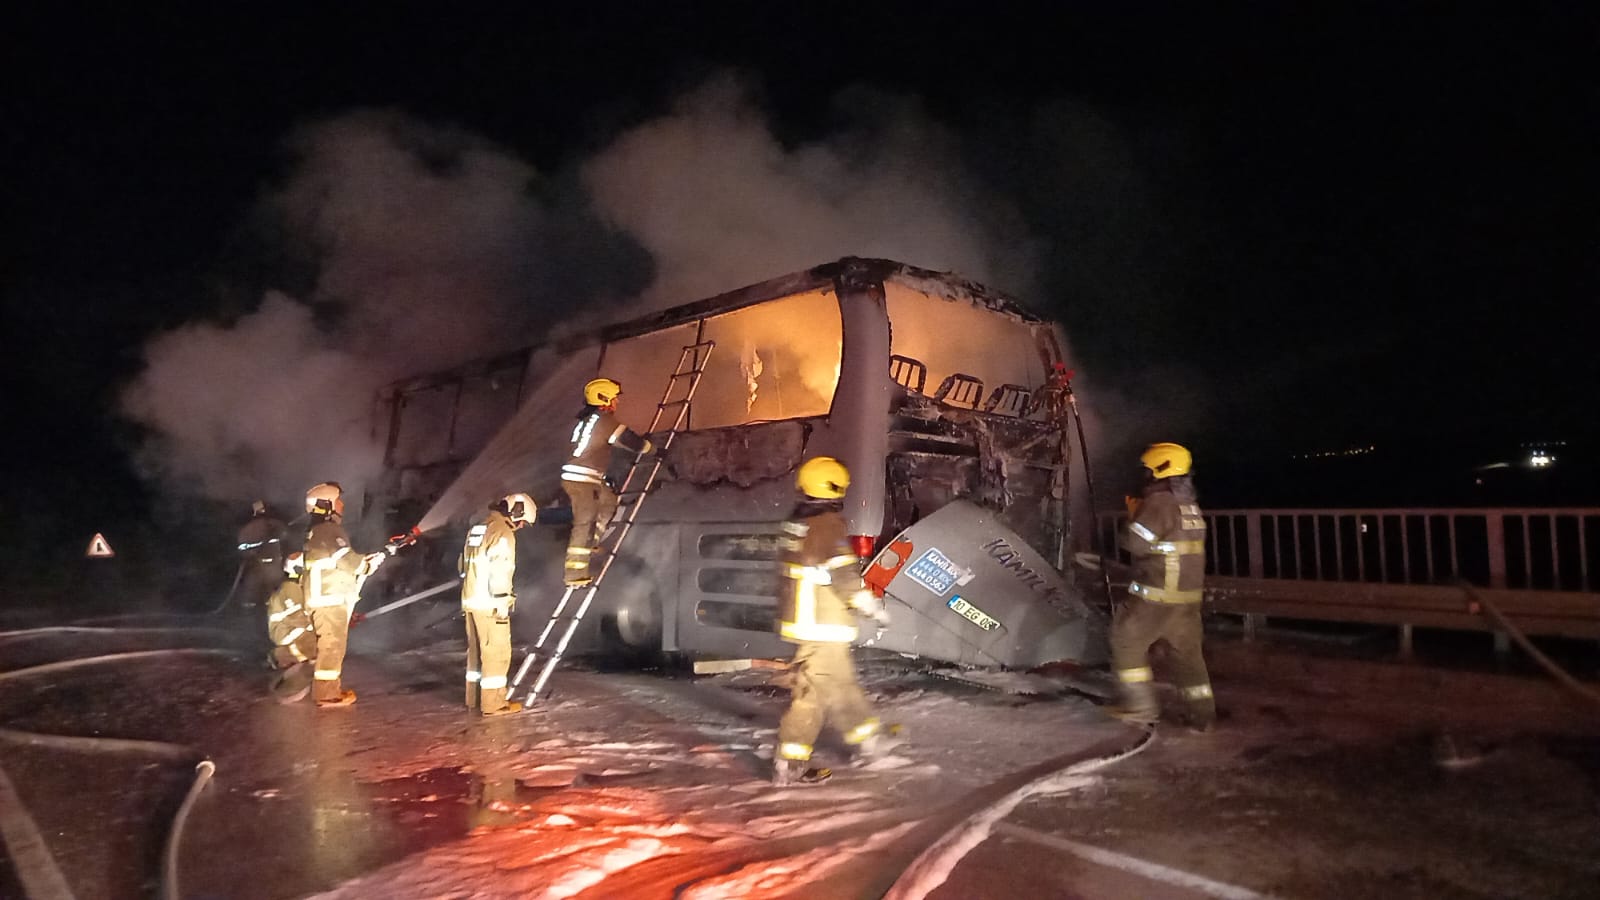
x: 601, y: 392
x: 823, y: 478
x: 519, y: 508
x: 1166, y: 460
x: 325, y: 499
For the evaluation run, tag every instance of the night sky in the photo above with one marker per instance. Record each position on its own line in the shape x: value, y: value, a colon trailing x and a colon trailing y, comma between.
x: 1269, y: 229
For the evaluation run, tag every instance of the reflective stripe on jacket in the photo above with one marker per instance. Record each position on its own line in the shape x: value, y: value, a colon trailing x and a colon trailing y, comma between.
x: 1167, y: 541
x: 596, y: 435
x: 332, y: 567
x: 488, y: 565
x: 287, y: 618
x: 820, y: 572
x: 261, y: 540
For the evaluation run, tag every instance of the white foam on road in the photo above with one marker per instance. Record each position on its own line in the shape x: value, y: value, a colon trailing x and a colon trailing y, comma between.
x: 1141, y: 867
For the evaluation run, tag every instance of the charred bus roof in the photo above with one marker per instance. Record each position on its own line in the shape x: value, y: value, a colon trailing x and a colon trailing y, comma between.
x: 850, y: 270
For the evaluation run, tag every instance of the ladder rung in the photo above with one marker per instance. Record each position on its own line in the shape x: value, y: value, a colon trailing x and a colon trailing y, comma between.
x: 688, y: 372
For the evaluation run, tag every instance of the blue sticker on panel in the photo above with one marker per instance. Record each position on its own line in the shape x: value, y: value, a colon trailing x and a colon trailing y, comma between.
x: 934, y: 571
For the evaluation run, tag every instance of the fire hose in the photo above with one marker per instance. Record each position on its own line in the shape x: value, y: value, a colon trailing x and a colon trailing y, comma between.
x: 931, y: 867
x: 1481, y: 605
x: 237, y: 575
x: 36, y: 868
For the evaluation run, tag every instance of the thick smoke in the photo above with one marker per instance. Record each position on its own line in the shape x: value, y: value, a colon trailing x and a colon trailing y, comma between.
x: 431, y: 245
x: 720, y: 203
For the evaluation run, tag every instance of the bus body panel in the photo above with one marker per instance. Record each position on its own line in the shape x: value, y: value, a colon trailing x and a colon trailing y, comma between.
x: 964, y: 588
x: 927, y: 386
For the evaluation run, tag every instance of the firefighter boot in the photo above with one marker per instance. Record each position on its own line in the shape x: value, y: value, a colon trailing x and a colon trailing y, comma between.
x: 879, y: 744
x: 788, y: 772
x: 1137, y: 704
x: 494, y: 703
x: 1199, y: 707
x: 331, y: 693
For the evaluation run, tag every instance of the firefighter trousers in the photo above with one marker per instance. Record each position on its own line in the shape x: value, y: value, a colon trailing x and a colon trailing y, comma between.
x: 332, y: 625
x: 488, y: 659
x: 257, y: 582
x: 593, y: 505
x: 825, y: 691
x: 296, y: 648
x: 1139, y: 623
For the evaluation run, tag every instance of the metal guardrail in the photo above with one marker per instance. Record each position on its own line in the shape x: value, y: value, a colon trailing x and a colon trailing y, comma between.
x: 1390, y: 566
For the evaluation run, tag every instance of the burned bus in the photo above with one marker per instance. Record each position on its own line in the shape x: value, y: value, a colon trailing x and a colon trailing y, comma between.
x: 935, y: 391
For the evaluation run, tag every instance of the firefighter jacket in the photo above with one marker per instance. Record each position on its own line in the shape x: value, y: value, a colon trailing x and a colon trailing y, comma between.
x: 261, y: 541
x: 334, y: 571
x: 1167, y: 540
x: 487, y: 565
x: 822, y: 583
x: 597, y: 437
x: 287, y: 618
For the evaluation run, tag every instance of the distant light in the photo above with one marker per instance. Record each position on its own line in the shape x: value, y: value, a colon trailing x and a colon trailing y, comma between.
x: 1540, y: 459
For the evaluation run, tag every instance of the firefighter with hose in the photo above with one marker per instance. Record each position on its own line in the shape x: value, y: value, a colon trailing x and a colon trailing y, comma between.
x: 334, y: 573
x: 488, y: 567
x: 1166, y: 538
x: 598, y: 440
x: 260, y: 556
x: 823, y: 594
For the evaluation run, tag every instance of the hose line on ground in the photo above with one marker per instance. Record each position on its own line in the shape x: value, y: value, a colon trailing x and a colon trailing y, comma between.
x: 40, y: 868
x: 1482, y: 605
x: 169, y: 866
x: 930, y: 869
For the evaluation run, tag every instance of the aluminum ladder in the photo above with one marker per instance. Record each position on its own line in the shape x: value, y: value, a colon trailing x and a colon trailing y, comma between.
x: 685, y: 381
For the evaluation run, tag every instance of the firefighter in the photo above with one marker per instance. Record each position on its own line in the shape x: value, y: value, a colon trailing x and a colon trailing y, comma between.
x: 488, y: 595
x: 598, y: 440
x: 288, y: 623
x: 823, y: 593
x: 294, y: 643
x: 1166, y: 538
x: 333, y: 578
x: 260, y: 556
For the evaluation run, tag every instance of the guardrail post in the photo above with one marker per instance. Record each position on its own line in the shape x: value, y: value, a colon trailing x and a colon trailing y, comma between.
x: 1495, y: 526
x: 1406, y: 648
x: 1502, y: 645
x: 1252, y: 537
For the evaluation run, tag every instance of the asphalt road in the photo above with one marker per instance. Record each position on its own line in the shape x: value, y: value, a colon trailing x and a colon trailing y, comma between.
x: 1327, y: 778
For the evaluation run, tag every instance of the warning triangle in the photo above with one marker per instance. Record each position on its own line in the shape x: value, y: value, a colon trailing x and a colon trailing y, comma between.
x: 99, y: 548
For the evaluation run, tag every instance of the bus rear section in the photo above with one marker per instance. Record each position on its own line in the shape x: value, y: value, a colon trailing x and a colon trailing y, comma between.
x: 928, y: 386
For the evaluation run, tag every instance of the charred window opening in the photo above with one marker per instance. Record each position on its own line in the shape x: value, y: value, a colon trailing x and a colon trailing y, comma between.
x: 746, y: 547
x: 997, y: 449
x: 774, y: 361
x: 732, y: 614
x: 743, y: 582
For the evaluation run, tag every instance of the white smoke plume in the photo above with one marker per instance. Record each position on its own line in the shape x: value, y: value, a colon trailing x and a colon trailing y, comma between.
x: 719, y: 202
x: 432, y: 245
